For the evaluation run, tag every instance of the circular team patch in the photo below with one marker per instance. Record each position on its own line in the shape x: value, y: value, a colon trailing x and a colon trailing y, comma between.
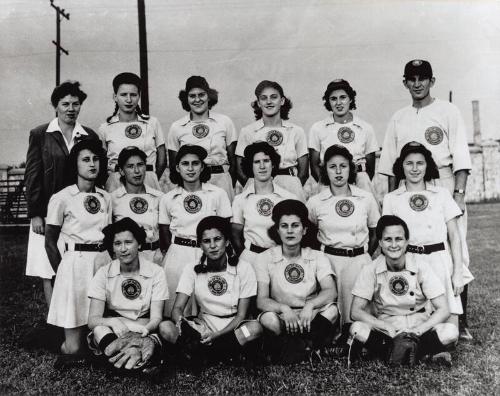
x: 265, y: 206
x: 294, y: 273
x: 131, y: 289
x: 192, y: 203
x: 344, y: 207
x: 434, y: 135
x: 92, y: 204
x: 345, y: 135
x: 274, y: 137
x: 138, y: 205
x: 418, y: 202
x: 217, y: 285
x: 398, y: 285
x: 133, y: 131
x: 200, y: 130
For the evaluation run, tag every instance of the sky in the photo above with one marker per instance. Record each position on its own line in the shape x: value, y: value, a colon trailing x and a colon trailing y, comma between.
x: 237, y: 43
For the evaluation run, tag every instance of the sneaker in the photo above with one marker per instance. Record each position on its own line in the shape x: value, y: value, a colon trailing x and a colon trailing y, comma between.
x: 465, y: 334
x: 442, y: 358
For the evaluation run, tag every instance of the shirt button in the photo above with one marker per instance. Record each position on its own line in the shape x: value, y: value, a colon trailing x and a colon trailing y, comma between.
x: 412, y: 309
x: 412, y: 273
x: 412, y: 294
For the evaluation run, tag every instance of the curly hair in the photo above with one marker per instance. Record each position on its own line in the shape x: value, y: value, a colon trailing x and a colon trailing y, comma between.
x: 431, y: 171
x: 331, y: 151
x: 95, y: 147
x: 259, y: 147
x: 335, y: 85
x: 285, y: 108
x: 213, y: 98
x: 67, y: 88
x: 124, y: 224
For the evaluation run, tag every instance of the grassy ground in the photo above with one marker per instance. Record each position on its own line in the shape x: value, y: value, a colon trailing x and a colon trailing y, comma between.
x: 476, y: 366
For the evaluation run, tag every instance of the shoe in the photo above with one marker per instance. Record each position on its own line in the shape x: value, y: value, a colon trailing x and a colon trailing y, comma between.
x: 465, y: 334
x: 442, y: 358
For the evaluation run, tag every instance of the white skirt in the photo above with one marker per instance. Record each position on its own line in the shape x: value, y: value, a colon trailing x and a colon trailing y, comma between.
x: 37, y: 262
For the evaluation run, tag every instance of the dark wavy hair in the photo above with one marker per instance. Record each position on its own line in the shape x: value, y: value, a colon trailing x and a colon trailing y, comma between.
x: 431, y: 172
x: 259, y: 147
x: 390, y: 220
x: 287, y: 105
x: 127, y: 78
x: 331, y: 151
x: 289, y: 207
x: 335, y: 85
x: 94, y: 145
x: 213, y: 98
x: 201, y: 153
x: 67, y: 88
x: 124, y: 224
x: 219, y: 223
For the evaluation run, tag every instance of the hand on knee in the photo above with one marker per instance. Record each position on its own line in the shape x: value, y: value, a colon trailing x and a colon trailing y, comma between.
x: 447, y: 333
x: 360, y: 331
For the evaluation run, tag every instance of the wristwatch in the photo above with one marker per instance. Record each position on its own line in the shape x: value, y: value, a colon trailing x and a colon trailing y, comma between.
x: 459, y: 191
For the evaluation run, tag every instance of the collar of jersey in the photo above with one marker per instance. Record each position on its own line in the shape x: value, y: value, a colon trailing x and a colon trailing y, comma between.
x: 428, y: 187
x: 116, y: 119
x: 277, y: 254
x: 381, y: 265
x: 145, y: 269
x: 121, y: 191
x: 331, y: 121
x: 355, y: 192
x: 250, y: 189
x: 73, y: 190
x: 259, y: 124
x: 204, y: 187
x: 187, y: 119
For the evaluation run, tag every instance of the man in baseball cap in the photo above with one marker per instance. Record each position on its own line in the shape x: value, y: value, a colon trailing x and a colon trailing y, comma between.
x: 439, y: 126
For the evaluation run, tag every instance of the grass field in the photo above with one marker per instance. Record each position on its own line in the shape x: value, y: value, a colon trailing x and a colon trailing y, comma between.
x: 476, y: 366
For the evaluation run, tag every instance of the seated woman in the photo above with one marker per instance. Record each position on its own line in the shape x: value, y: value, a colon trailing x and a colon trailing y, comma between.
x: 398, y: 286
x: 288, y: 276
x: 222, y: 287
x: 127, y: 295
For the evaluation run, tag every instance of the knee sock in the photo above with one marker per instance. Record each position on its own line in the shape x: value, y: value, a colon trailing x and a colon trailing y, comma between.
x: 106, y: 340
x: 378, y: 344
x: 322, y: 331
x: 463, y: 297
x: 430, y: 344
x: 226, y: 345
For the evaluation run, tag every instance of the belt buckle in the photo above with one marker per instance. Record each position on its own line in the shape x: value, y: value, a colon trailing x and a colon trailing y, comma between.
x: 192, y: 243
x: 100, y: 247
x: 420, y: 250
x: 350, y: 252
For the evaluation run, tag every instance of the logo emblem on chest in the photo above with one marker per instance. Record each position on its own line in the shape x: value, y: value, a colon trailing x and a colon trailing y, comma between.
x: 345, y: 135
x: 265, y: 206
x: 274, y: 138
x: 294, y: 273
x: 418, y: 202
x: 217, y: 285
x: 200, y: 130
x: 91, y: 204
x: 131, y: 289
x: 399, y: 285
x: 434, y: 135
x: 138, y: 205
x: 192, y: 203
x: 133, y: 131
x: 344, y: 207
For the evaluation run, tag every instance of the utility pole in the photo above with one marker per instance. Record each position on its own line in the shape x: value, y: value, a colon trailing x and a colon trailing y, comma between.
x: 57, y: 43
x: 143, y: 52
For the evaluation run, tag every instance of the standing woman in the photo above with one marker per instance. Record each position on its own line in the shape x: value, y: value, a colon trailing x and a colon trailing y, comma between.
x: 346, y: 217
x: 344, y: 128
x: 77, y: 214
x: 46, y: 168
x: 138, y: 201
x: 271, y: 110
x: 252, y: 208
x: 182, y: 208
x: 222, y: 288
x: 213, y: 131
x: 431, y: 214
x: 128, y: 126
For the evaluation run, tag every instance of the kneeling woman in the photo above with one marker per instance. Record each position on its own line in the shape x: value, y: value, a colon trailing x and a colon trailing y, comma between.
x: 288, y: 276
x: 399, y: 286
x: 222, y: 287
x: 127, y: 295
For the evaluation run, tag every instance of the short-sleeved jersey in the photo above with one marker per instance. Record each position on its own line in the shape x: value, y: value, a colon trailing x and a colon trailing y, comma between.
x: 218, y: 293
x: 292, y: 282
x: 343, y: 222
x: 398, y: 293
x: 130, y: 295
x: 357, y: 136
x: 439, y: 126
x: 254, y: 211
x: 289, y: 140
x: 213, y: 134
x: 142, y: 208
x: 143, y: 133
x: 182, y: 210
x: 81, y: 215
x: 425, y: 212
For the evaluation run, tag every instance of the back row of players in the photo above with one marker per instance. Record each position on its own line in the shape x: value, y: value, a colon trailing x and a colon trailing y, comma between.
x: 271, y: 161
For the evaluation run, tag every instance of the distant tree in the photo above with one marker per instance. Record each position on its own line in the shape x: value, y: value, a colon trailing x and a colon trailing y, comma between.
x: 22, y: 165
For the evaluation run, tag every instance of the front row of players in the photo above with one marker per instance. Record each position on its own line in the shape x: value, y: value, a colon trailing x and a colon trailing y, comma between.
x: 127, y: 296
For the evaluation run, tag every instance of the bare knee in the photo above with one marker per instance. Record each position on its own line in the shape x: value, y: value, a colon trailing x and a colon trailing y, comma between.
x: 248, y: 331
x: 447, y: 333
x: 271, y: 322
x: 360, y: 331
x: 168, y: 331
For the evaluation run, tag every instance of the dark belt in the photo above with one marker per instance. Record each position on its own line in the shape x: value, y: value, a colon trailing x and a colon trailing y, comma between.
x: 150, y: 245
x: 111, y: 313
x: 290, y: 171
x: 148, y: 168
x: 87, y: 247
x: 344, y: 252
x: 257, y: 249
x: 186, y: 242
x: 222, y: 316
x: 426, y: 249
x: 216, y: 169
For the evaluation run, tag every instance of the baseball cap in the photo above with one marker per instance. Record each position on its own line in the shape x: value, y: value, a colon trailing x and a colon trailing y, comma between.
x: 418, y: 67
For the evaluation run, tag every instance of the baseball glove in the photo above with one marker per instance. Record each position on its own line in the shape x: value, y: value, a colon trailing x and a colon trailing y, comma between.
x: 130, y: 351
x: 404, y: 349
